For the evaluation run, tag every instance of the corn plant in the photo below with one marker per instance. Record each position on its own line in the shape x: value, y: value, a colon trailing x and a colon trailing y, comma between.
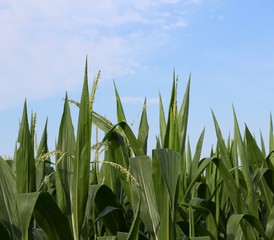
x: 115, y: 189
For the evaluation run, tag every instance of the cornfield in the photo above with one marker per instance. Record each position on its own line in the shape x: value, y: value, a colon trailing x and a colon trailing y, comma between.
x: 115, y: 189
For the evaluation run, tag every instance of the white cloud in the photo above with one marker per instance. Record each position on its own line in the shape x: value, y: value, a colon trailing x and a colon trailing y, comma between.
x: 43, y: 44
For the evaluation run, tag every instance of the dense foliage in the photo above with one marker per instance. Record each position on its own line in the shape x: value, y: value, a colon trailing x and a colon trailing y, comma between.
x: 132, y: 194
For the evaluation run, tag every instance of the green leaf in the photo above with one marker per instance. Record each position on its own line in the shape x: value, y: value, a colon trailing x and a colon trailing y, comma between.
x: 245, y: 168
x: 269, y: 229
x: 46, y: 213
x: 64, y: 161
x: 134, y: 229
x: 200, y: 238
x: 202, y: 231
x: 143, y: 129
x: 172, y: 133
x: 101, y: 122
x: 234, y: 222
x: 197, y: 155
x: 107, y: 238
x: 119, y: 155
x: 232, y: 189
x: 271, y: 135
x: 25, y: 163
x: 108, y: 175
x: 122, y: 236
x: 269, y: 178
x: 8, y: 213
x: 4, y: 232
x: 262, y: 145
x: 133, y: 142
x: 254, y: 154
x: 183, y: 117
x: 82, y: 160
x: 221, y: 144
x: 170, y: 166
x: 162, y: 121
x: 120, y: 111
x: 110, y: 210
x: 41, y: 164
x: 141, y: 170
x: 166, y: 165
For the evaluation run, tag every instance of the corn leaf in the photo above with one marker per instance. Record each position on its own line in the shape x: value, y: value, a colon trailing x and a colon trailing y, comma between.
x: 221, y: 144
x: 107, y: 238
x: 108, y: 175
x: 171, y: 140
x: 8, y: 214
x: 101, y: 122
x: 271, y: 135
x: 141, y: 170
x: 235, y: 197
x: 25, y: 164
x: 82, y: 160
x: 4, y: 232
x: 143, y: 129
x: 162, y: 119
x: 183, y: 117
x: 269, y: 229
x: 166, y: 165
x: 197, y: 155
x: 41, y: 164
x: 119, y: 155
x: 134, y: 229
x: 110, y: 210
x: 64, y: 162
x: 46, y: 213
x: 133, y: 142
x: 234, y: 223
x: 245, y: 166
x: 119, y: 108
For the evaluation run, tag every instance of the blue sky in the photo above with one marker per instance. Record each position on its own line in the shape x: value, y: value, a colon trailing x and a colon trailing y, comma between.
x: 226, y: 45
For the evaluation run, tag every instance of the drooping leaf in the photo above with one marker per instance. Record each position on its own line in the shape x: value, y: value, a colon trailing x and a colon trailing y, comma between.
x: 110, y: 210
x: 133, y: 142
x: 46, y: 213
x: 234, y: 223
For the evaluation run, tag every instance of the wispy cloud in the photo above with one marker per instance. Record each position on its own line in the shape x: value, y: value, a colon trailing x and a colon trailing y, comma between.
x: 43, y: 44
x: 179, y: 23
